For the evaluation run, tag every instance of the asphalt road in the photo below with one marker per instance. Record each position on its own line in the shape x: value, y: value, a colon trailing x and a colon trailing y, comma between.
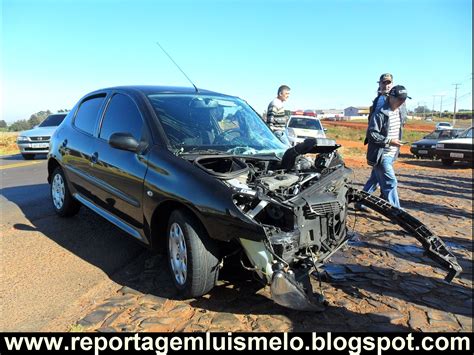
x: 51, y: 268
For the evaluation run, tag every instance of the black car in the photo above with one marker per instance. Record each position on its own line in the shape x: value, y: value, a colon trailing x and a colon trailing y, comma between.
x: 198, y: 174
x: 426, y: 147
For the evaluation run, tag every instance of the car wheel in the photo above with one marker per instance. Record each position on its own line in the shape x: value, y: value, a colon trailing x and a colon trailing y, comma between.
x: 28, y: 156
x: 192, y: 256
x: 63, y: 203
x: 447, y: 162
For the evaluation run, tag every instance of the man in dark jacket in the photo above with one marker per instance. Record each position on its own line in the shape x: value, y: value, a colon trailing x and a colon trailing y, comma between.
x: 384, y: 136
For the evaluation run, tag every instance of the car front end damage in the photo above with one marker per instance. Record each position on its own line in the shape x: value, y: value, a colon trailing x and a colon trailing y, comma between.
x: 302, y: 206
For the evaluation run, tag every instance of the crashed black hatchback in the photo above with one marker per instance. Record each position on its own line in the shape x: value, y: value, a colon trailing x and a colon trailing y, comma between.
x: 198, y: 175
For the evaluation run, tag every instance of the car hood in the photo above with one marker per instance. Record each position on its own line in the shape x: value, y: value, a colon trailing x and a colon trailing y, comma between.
x: 457, y: 141
x: 426, y: 141
x: 39, y: 131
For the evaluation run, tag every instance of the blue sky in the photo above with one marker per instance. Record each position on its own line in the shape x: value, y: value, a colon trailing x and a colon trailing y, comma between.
x: 330, y: 52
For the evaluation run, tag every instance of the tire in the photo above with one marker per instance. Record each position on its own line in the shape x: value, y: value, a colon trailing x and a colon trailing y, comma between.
x: 63, y: 203
x: 192, y: 255
x: 447, y: 162
x: 28, y: 156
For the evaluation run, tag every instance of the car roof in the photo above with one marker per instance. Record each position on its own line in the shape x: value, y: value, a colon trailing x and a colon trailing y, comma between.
x: 157, y: 89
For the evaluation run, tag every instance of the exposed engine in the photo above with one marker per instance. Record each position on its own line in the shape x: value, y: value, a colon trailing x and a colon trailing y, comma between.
x: 301, y: 203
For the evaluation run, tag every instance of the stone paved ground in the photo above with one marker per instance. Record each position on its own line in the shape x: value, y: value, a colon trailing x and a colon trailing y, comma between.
x: 380, y: 282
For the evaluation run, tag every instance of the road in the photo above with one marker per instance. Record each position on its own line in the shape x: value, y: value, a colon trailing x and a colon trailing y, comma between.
x: 51, y: 268
x: 84, y: 273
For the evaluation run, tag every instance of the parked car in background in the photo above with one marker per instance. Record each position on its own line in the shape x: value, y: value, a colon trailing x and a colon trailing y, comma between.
x: 299, y: 128
x: 457, y: 149
x: 426, y: 147
x: 443, y: 125
x: 36, y: 140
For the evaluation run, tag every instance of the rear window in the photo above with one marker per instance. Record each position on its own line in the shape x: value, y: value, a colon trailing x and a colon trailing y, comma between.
x: 87, y: 113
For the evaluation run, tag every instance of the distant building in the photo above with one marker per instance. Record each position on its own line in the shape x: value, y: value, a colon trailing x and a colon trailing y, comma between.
x: 331, y: 113
x: 356, y: 112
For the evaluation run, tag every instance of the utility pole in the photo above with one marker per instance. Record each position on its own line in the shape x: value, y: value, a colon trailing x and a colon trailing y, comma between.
x: 441, y: 106
x: 455, y: 98
x: 432, y: 111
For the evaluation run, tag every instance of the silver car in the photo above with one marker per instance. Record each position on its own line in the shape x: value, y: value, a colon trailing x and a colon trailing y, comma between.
x: 300, y: 128
x: 36, y: 140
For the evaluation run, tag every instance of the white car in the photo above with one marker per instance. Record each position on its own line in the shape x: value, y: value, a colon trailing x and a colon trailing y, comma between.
x: 36, y: 140
x: 444, y: 125
x: 299, y: 128
x: 457, y: 149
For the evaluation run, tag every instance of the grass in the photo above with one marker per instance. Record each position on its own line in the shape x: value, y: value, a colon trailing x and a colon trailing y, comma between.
x: 8, y: 143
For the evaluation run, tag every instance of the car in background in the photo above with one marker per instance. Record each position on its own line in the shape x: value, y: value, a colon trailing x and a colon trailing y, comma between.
x: 36, y: 140
x: 299, y: 128
x: 426, y: 147
x: 443, y: 125
x: 457, y: 149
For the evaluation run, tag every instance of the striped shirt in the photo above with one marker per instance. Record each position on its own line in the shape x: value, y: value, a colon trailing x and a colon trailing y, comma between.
x: 393, y: 131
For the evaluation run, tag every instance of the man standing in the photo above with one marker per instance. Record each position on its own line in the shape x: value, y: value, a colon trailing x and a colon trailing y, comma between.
x: 384, y: 141
x: 276, y: 118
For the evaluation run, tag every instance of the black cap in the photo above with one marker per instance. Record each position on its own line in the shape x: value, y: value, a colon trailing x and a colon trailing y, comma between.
x: 399, y: 91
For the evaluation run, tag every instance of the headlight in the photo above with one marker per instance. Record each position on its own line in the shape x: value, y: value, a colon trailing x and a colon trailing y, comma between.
x: 413, y: 145
x: 440, y: 146
x: 22, y: 138
x: 291, y: 132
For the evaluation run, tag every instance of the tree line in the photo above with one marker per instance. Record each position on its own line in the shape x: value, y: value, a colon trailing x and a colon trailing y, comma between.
x: 25, y: 124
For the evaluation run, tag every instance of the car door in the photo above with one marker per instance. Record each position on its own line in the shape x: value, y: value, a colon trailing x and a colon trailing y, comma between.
x: 119, y: 174
x: 77, y: 145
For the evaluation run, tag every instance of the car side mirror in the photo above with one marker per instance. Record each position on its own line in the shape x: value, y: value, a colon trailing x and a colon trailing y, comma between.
x: 124, y: 141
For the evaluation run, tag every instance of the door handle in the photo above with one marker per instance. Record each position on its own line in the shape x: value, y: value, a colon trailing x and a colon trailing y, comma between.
x: 64, y: 143
x: 94, y: 158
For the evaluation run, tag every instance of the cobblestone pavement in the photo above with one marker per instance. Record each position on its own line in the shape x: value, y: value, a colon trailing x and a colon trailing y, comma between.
x: 380, y: 282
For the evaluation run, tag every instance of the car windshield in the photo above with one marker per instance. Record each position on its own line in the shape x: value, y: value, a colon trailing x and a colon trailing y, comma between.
x: 305, y: 123
x: 195, y: 123
x: 52, y: 121
x: 442, y: 134
x: 466, y: 134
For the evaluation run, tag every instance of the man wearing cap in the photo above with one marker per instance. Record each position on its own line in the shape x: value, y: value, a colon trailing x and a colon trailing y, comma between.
x: 384, y: 141
x: 385, y: 84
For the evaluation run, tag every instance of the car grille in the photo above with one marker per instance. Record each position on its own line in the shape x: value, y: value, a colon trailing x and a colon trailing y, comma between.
x: 322, y: 209
x: 304, y: 137
x: 462, y: 146
x: 40, y: 139
x: 36, y: 149
x: 424, y: 146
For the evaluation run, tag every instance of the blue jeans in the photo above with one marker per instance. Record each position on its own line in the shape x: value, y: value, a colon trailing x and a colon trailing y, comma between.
x: 388, y: 181
x: 371, y: 184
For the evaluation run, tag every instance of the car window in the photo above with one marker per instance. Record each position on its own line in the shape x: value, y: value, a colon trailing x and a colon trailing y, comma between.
x: 122, y: 115
x: 445, y: 134
x: 87, y: 114
x: 433, y: 135
x: 305, y: 123
x: 52, y: 121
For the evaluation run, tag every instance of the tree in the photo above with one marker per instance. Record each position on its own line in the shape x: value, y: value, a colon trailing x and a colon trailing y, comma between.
x: 3, y: 124
x: 20, y: 125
